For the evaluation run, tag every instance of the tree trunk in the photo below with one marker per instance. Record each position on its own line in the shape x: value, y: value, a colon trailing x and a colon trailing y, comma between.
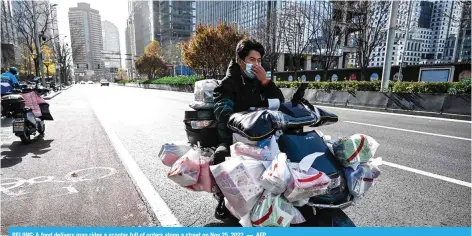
x: 36, y: 67
x: 325, y: 74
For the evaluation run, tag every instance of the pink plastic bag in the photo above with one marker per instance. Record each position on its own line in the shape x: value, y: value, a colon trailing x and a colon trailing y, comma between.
x: 171, y: 152
x: 205, y: 181
x: 243, y: 149
x: 186, y: 170
x: 305, y: 184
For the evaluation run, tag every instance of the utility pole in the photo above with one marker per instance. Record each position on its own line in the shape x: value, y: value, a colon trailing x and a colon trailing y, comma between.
x: 390, y: 38
x: 38, y: 44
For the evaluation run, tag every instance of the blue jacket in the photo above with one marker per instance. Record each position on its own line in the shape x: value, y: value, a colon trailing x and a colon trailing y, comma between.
x: 8, y: 82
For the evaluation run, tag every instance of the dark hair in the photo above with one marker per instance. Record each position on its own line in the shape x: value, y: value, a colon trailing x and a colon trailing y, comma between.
x: 246, y: 45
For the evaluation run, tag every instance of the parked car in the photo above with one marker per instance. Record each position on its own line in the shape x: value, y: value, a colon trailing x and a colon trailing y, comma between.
x: 104, y: 82
x: 82, y: 82
x: 90, y: 82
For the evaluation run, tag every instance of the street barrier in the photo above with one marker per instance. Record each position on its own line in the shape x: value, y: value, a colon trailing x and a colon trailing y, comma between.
x: 434, y: 103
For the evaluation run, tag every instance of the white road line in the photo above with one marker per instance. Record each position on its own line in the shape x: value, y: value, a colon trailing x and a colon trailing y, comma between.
x: 440, y: 177
x: 396, y: 114
x: 408, y: 130
x: 160, y: 209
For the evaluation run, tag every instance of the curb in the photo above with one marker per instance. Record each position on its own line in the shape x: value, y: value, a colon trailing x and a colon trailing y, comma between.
x: 396, y: 111
x: 49, y: 98
x: 386, y: 110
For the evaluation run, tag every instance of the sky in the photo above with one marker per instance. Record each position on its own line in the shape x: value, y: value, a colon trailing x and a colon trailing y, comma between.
x: 115, y: 11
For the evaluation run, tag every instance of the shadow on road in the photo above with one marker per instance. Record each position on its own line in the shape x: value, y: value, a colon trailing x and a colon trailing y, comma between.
x: 223, y: 224
x: 7, y: 122
x: 5, y: 163
x: 38, y: 147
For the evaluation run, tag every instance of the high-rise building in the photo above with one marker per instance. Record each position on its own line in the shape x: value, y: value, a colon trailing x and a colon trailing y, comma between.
x: 142, y: 19
x: 111, y: 45
x: 111, y: 49
x: 463, y: 48
x: 176, y: 21
x: 86, y: 40
x: 8, y: 35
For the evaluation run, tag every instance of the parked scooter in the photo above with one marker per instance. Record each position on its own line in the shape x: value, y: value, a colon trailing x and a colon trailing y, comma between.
x: 25, y: 122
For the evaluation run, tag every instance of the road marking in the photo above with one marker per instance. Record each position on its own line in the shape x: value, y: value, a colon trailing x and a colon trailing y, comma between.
x: 159, y: 207
x: 92, y: 173
x: 408, y: 130
x: 440, y: 177
x: 396, y: 114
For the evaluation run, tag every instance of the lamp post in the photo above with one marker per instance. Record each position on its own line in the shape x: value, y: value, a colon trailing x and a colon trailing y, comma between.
x: 38, y: 44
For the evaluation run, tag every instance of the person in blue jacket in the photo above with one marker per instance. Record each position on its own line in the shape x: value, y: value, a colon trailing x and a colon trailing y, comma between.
x: 9, y: 80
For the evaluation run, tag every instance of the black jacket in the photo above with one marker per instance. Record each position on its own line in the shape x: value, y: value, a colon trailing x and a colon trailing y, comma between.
x: 238, y: 93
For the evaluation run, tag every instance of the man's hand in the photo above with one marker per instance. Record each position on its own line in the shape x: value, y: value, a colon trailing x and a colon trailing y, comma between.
x: 260, y: 73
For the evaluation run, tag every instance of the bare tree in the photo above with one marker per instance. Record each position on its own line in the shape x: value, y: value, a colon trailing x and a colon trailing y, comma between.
x: 64, y: 60
x: 293, y: 25
x: 326, y: 33
x: 463, y: 20
x: 24, y: 21
x: 368, y: 20
x: 266, y: 33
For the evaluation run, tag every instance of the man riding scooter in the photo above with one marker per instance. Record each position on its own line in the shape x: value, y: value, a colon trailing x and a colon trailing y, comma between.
x: 9, y: 81
x: 244, y: 86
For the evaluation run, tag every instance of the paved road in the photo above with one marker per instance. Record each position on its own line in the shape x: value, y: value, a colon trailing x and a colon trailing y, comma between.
x: 143, y: 120
x: 70, y: 176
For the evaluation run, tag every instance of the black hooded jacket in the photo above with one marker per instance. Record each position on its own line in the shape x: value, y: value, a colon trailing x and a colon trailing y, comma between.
x: 237, y: 93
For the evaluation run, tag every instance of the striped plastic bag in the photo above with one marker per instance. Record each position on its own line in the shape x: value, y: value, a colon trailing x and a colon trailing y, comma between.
x: 355, y: 149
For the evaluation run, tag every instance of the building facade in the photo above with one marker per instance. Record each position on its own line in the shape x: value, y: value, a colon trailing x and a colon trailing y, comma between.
x: 111, y: 49
x: 86, y: 40
x: 8, y: 39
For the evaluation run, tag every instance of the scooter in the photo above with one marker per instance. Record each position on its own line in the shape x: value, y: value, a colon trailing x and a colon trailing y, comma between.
x: 324, y: 210
x: 25, y: 122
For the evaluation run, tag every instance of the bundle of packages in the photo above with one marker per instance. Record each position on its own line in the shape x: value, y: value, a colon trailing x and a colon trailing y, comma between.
x: 238, y: 180
x: 276, y: 178
x: 306, y: 181
x: 360, y: 180
x: 242, y: 149
x: 205, y: 180
x: 275, y: 210
x: 172, y: 151
x: 186, y: 170
x: 353, y: 150
x: 203, y: 92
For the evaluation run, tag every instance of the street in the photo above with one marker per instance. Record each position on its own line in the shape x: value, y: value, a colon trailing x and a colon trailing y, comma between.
x: 75, y: 176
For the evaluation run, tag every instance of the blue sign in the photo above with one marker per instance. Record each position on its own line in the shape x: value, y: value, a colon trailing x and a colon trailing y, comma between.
x: 334, y: 77
x: 317, y: 78
x: 227, y: 231
x: 374, y: 77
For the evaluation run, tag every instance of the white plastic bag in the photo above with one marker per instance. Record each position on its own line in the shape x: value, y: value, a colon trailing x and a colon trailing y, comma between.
x: 275, y: 210
x: 354, y: 149
x: 203, y: 90
x: 242, y: 149
x: 305, y: 183
x: 186, y: 170
x: 172, y: 151
x: 276, y: 178
x: 360, y: 180
x: 238, y: 180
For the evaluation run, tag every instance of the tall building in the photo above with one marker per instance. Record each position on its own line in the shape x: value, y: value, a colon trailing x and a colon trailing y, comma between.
x: 7, y: 35
x: 86, y: 40
x: 176, y: 21
x: 426, y: 35
x: 111, y: 49
x: 111, y: 45
x: 463, y: 47
x: 164, y: 21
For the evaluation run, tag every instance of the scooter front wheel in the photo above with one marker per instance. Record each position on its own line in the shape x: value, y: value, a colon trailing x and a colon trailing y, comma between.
x: 41, y: 128
x: 25, y: 138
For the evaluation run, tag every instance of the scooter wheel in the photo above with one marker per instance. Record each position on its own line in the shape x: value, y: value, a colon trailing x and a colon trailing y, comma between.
x: 25, y: 139
x: 42, y: 128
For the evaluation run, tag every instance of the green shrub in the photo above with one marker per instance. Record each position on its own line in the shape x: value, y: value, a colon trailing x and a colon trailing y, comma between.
x: 176, y: 80
x: 462, y: 87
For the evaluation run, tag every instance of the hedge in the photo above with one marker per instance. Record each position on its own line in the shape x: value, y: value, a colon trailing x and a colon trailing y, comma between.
x: 175, y: 80
x: 462, y: 87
